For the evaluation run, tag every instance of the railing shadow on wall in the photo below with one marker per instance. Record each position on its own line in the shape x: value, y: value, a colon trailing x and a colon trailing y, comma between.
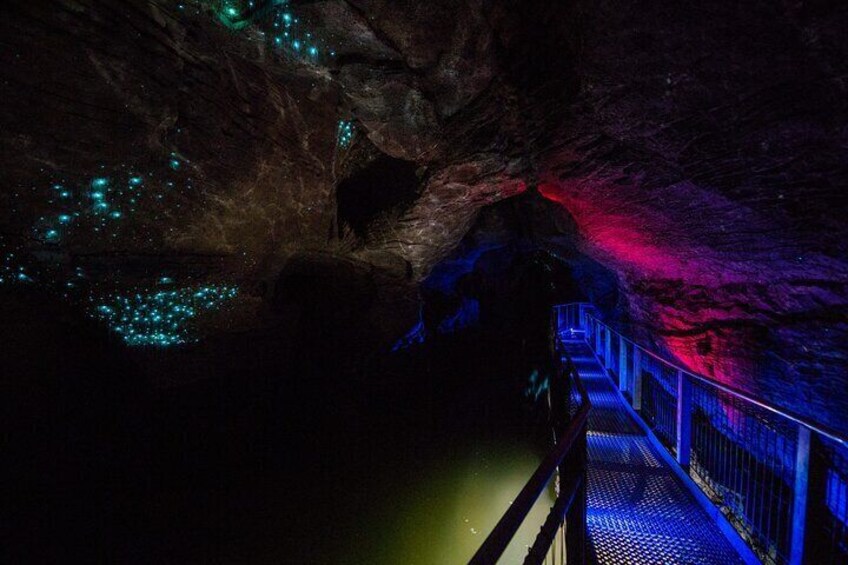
x: 778, y: 479
x: 562, y: 537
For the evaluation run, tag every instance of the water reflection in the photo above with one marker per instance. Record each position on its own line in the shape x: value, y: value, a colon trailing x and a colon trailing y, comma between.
x: 443, y: 512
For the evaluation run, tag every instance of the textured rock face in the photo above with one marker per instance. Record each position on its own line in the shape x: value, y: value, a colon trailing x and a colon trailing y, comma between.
x: 704, y: 160
x: 698, y: 153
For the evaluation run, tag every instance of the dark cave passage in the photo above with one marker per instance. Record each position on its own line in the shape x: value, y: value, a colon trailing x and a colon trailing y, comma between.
x: 255, y: 460
x: 382, y: 187
x: 342, y: 281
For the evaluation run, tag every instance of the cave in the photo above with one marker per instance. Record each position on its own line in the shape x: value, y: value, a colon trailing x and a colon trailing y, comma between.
x: 384, y: 187
x: 465, y: 281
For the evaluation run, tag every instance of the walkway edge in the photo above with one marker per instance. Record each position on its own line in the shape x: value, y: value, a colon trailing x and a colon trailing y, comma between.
x: 726, y: 528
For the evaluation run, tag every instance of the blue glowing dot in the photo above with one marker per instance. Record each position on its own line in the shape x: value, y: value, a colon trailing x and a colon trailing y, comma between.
x: 136, y: 181
x: 64, y: 218
x: 166, y: 280
x: 100, y: 182
x: 51, y: 234
x: 296, y: 45
x: 313, y: 51
x: 345, y: 134
x: 116, y: 214
x: 160, y: 318
x: 97, y: 195
x: 65, y: 194
x: 174, y: 164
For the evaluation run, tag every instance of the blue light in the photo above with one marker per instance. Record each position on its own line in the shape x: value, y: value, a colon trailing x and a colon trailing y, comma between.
x: 98, y: 199
x: 11, y: 271
x: 161, y: 318
x: 237, y: 16
x: 465, y: 316
x: 536, y: 386
x: 345, y: 133
x: 417, y: 334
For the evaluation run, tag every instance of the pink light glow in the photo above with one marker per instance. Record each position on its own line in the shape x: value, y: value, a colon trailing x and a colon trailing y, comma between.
x: 618, y: 238
x: 625, y: 243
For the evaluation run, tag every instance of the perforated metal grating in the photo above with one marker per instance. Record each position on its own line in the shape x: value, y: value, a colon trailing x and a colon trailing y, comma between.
x: 607, y: 414
x: 639, y: 511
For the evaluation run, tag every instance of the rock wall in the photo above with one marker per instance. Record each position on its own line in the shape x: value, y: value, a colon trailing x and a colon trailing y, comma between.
x: 697, y: 152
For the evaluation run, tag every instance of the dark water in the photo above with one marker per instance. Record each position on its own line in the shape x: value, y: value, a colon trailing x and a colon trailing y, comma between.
x: 410, y: 460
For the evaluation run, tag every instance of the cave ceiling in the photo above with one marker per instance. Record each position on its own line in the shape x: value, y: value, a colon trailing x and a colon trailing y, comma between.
x: 161, y: 154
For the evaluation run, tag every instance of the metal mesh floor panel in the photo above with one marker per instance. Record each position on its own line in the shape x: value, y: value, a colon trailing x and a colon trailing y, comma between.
x: 639, y: 511
x: 607, y: 414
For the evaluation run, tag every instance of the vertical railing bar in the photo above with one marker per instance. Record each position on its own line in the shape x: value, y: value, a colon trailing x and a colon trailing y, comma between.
x: 622, y: 364
x: 737, y: 473
x: 770, y: 494
x: 726, y: 441
x: 782, y: 485
x: 763, y: 469
x: 799, y: 507
x: 721, y: 455
x: 749, y: 499
x: 759, y: 490
x: 637, y: 381
x: 597, y: 338
x: 715, y: 451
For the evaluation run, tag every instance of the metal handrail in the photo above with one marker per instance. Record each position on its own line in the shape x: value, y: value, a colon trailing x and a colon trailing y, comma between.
x: 772, y: 520
x: 800, y: 420
x: 500, y: 537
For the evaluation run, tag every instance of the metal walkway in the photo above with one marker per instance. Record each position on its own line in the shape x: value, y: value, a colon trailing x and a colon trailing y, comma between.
x: 639, y: 512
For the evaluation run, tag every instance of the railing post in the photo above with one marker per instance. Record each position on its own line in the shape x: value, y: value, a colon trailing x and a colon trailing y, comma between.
x: 607, y: 348
x: 622, y: 364
x: 799, y: 506
x: 597, y: 338
x: 684, y: 419
x: 637, y: 378
x: 582, y: 315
